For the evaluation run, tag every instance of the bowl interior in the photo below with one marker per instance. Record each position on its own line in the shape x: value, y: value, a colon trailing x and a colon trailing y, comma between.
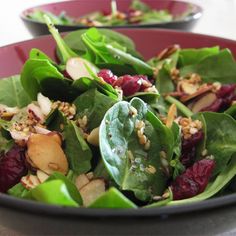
x: 79, y: 8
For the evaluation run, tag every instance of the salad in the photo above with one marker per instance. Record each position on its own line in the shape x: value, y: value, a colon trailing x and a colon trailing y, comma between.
x: 138, y: 13
x: 106, y: 129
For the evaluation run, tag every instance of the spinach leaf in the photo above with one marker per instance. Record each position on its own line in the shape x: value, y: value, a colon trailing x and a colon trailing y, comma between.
x: 101, y: 53
x: 163, y: 81
x: 231, y: 111
x: 220, y: 138
x: 94, y: 105
x: 192, y: 56
x: 129, y: 164
x: 112, y: 198
x: 65, y: 51
x: 220, y: 67
x: 76, y: 149
x: 53, y: 192
x: 56, y: 121
x: 72, y: 190
x: 39, y: 75
x: 12, y: 93
x: 74, y: 41
x: 18, y: 191
x: 141, y: 6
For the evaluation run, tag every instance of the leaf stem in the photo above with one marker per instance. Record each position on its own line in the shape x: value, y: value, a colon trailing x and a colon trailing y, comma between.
x: 65, y: 51
x: 181, y: 107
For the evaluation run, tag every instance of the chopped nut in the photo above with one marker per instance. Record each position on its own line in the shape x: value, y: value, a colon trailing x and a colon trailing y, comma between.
x: 147, y: 145
x: 81, y: 181
x: 30, y: 181
x: 171, y: 115
x: 41, y: 176
x: 93, y: 137
x: 133, y: 111
x: 151, y: 169
x: 90, y: 175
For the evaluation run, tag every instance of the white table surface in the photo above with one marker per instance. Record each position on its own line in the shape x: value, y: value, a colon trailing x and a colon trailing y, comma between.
x: 219, y: 19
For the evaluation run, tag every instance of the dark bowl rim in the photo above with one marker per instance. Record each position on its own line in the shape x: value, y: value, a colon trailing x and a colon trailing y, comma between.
x: 31, y: 207
x: 194, y: 16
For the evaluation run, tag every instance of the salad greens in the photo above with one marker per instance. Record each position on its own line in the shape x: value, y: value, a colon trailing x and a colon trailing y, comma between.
x: 106, y: 129
x: 138, y: 13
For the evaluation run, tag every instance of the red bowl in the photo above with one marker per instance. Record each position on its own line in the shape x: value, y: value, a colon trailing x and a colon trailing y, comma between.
x: 210, y: 217
x: 78, y: 8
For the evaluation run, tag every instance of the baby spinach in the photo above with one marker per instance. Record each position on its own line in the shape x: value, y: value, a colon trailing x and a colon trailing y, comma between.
x: 76, y: 149
x: 18, y: 191
x: 219, y: 67
x: 40, y: 75
x: 53, y: 192
x: 192, y: 56
x: 231, y: 111
x: 112, y: 198
x: 56, y: 121
x: 65, y: 51
x: 130, y: 165
x: 12, y: 93
x: 72, y: 190
x: 220, y: 138
x: 101, y: 53
x: 74, y: 41
x: 94, y: 105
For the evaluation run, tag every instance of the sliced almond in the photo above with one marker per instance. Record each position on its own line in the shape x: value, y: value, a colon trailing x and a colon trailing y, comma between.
x: 36, y: 112
x: 41, y: 130
x: 41, y: 176
x: 46, y: 154
x: 90, y: 175
x: 93, y: 137
x: 30, y: 181
x: 200, y: 91
x: 81, y: 181
x: 76, y: 68
x: 171, y: 115
x: 91, y: 191
x: 204, y: 102
x: 188, y: 88
x: 44, y: 103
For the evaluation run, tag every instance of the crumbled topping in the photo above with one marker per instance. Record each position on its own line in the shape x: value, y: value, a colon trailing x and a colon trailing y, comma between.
x: 69, y: 110
x: 189, y: 127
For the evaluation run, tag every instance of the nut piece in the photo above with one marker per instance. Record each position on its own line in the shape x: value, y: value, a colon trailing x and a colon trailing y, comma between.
x: 41, y: 176
x: 93, y: 137
x: 171, y: 115
x: 44, y: 104
x: 76, y: 68
x: 200, y: 91
x: 35, y: 112
x: 81, y: 181
x: 91, y: 191
x: 204, y: 102
x: 30, y: 181
x: 46, y: 153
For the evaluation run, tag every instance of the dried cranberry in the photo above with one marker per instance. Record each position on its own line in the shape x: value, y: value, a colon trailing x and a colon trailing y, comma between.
x: 188, y: 157
x: 193, y: 141
x: 225, y: 90
x: 188, y: 150
x: 194, y: 180
x: 108, y: 76
x: 12, y: 168
x: 130, y: 84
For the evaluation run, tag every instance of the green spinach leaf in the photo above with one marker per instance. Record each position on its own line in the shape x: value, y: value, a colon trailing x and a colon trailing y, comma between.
x: 76, y: 149
x: 94, y: 105
x: 130, y: 165
x: 12, y: 93
x: 112, y: 198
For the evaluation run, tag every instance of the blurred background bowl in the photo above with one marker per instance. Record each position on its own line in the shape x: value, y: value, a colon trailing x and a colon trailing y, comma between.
x: 80, y: 8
